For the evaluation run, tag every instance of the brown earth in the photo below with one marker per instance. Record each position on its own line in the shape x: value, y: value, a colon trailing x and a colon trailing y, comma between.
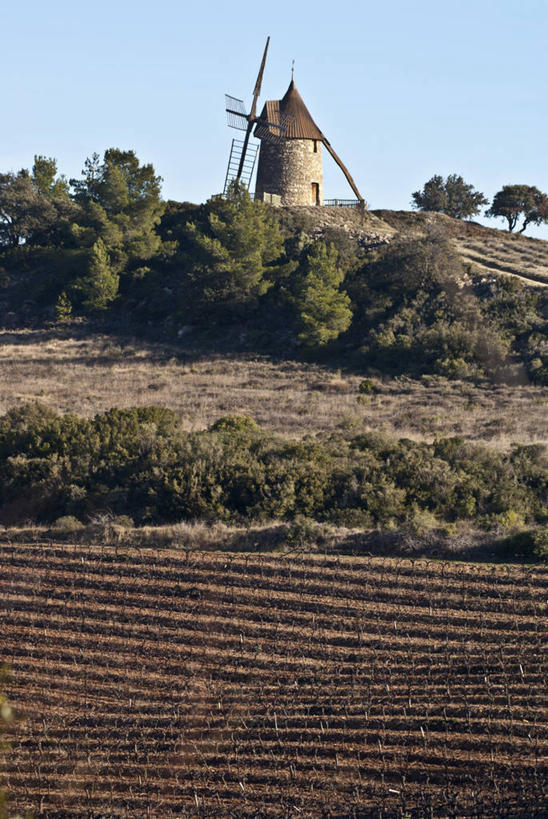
x: 164, y: 683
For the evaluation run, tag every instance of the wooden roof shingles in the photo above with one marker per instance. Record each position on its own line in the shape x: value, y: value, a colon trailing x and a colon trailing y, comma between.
x: 291, y: 113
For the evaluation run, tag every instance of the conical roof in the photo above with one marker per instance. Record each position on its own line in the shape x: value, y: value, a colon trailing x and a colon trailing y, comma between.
x: 292, y: 113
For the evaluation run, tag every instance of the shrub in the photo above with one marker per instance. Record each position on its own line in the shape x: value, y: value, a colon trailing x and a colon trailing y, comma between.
x: 540, y: 543
x: 68, y: 524
x: 140, y: 464
x: 368, y: 386
x: 235, y: 423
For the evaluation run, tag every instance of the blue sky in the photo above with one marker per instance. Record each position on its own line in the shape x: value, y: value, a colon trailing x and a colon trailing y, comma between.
x: 402, y: 89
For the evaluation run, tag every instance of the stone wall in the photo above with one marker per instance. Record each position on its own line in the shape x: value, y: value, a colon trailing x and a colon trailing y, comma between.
x: 288, y: 168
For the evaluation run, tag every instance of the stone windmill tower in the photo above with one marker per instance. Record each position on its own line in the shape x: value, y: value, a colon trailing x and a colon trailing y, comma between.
x: 290, y: 157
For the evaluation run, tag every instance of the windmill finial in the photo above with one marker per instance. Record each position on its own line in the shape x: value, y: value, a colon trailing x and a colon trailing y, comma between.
x: 292, y: 68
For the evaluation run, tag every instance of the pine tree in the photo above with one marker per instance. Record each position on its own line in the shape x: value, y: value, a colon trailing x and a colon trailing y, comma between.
x: 63, y: 308
x: 323, y: 309
x: 121, y: 204
x: 233, y: 254
x: 100, y: 286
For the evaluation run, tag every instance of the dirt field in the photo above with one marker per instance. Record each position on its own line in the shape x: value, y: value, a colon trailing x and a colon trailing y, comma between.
x: 163, y: 683
x: 90, y: 374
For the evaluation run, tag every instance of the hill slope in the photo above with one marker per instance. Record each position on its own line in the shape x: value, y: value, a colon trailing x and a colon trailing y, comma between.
x: 487, y: 250
x: 75, y: 371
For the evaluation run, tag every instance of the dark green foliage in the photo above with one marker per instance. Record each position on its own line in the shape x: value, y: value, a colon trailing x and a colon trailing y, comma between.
x: 64, y: 245
x: 45, y: 179
x: 452, y: 196
x: 32, y: 208
x: 514, y: 201
x: 234, y: 272
x: 415, y: 311
x: 121, y: 205
x: 100, y: 285
x: 520, y: 313
x: 142, y: 463
x: 231, y: 256
x: 323, y: 310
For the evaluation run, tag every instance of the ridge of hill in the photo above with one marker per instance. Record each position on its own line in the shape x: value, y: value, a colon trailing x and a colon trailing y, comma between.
x: 487, y: 251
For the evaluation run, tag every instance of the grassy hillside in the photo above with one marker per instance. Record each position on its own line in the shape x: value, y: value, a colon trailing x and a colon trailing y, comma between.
x: 432, y: 349
x: 75, y: 371
x: 159, y: 683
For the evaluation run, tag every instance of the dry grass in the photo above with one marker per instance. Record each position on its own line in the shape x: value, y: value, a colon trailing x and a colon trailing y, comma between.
x: 488, y: 250
x: 91, y: 374
x: 506, y: 254
x: 423, y: 537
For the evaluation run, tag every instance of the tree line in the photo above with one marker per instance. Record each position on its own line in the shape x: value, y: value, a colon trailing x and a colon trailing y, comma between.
x: 235, y: 271
x: 455, y: 197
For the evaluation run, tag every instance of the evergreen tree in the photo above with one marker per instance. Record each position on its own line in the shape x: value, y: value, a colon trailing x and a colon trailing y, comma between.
x: 45, y: 179
x: 63, y: 308
x: 454, y: 197
x: 514, y: 201
x: 100, y: 285
x: 233, y: 254
x: 121, y: 205
x: 323, y: 309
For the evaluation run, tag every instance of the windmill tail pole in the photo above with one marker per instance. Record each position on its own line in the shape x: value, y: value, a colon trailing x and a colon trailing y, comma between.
x: 345, y: 171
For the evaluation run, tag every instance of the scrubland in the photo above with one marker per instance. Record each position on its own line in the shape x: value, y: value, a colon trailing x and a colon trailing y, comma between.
x: 86, y: 374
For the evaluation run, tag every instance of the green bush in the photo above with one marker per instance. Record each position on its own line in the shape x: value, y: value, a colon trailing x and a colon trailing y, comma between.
x: 68, y: 524
x: 368, y: 386
x: 141, y: 465
x: 540, y: 543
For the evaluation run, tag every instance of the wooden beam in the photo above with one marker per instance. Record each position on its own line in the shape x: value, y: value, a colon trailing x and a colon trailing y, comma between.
x: 344, y: 169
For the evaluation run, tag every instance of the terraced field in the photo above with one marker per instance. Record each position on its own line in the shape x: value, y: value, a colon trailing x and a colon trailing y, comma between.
x: 160, y: 683
x: 507, y: 255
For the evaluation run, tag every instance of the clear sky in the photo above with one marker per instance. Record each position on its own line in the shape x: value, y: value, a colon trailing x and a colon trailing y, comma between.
x: 402, y: 89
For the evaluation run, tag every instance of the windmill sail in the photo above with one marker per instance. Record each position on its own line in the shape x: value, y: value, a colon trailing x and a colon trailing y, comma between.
x: 234, y: 163
x: 237, y: 118
x: 235, y: 113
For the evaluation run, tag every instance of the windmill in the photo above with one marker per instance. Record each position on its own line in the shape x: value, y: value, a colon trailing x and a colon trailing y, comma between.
x: 243, y: 154
x: 290, y: 159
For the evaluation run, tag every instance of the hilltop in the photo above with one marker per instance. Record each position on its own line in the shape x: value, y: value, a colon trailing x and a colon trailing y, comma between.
x: 488, y: 251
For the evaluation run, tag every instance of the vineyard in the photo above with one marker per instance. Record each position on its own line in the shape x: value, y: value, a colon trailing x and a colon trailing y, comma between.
x: 157, y: 683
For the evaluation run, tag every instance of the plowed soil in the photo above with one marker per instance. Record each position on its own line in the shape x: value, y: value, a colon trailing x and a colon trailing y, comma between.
x: 156, y: 683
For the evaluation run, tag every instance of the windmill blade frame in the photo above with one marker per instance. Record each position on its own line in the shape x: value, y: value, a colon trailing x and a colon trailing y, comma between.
x: 271, y: 131
x: 235, y: 113
x: 251, y: 118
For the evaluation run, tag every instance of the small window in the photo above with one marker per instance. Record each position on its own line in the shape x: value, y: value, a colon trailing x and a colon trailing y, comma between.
x: 315, y: 146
